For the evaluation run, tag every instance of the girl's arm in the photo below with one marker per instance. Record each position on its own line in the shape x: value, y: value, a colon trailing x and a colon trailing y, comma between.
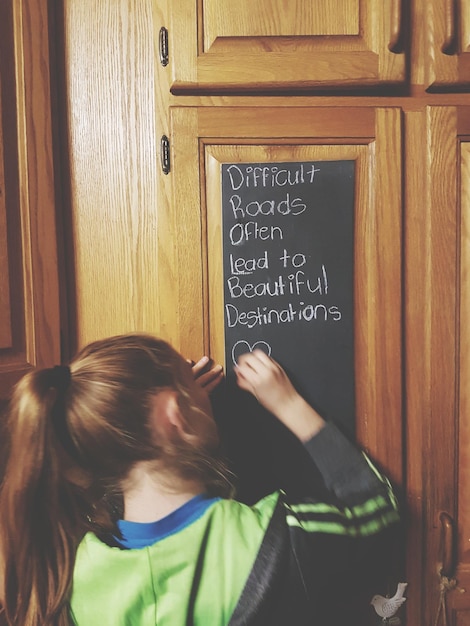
x: 346, y: 470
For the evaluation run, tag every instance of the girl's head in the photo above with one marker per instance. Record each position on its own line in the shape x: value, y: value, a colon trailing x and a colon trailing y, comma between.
x: 74, y: 436
x: 133, y: 398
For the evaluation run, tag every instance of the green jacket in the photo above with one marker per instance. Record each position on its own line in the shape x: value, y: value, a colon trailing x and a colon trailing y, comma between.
x: 272, y: 563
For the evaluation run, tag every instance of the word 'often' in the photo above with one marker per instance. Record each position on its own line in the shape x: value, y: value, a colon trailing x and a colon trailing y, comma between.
x: 240, y: 233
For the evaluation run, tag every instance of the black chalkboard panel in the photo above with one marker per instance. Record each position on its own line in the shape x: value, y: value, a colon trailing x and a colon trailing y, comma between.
x: 288, y: 274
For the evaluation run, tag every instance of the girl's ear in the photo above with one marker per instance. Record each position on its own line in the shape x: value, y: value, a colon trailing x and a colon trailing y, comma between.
x: 166, y: 417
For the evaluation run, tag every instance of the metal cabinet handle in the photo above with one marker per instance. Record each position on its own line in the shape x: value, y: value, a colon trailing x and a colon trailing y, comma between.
x: 449, y: 43
x: 396, y: 44
x: 448, y: 547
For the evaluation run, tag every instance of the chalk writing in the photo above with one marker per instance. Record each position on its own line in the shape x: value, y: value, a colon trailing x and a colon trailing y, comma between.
x: 264, y: 316
x: 241, y: 233
x: 288, y: 259
x: 255, y: 208
x: 270, y: 175
x: 242, y: 346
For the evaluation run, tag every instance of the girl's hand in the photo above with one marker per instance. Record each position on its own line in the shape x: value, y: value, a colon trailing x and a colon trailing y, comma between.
x: 260, y: 375
x: 207, y: 374
x: 267, y: 381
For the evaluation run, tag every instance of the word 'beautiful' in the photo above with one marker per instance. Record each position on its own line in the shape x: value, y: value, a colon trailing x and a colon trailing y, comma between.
x: 294, y: 284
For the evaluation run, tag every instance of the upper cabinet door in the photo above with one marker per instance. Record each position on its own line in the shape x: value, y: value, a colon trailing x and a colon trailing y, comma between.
x: 266, y: 45
x: 448, y: 48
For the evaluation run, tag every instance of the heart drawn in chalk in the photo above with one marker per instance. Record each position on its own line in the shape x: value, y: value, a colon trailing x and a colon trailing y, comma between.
x: 242, y: 346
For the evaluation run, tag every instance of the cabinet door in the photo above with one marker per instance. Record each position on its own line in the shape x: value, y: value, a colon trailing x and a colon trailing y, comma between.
x: 273, y: 45
x: 110, y: 148
x: 448, y: 58
x: 438, y: 359
x: 29, y: 297
x: 191, y: 285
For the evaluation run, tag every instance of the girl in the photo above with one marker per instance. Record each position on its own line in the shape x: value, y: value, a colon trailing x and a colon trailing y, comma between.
x: 115, y: 507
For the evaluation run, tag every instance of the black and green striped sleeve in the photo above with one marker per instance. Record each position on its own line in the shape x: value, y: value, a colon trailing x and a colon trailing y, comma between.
x: 362, y: 503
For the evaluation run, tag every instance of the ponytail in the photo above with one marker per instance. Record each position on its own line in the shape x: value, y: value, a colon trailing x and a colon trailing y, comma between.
x: 42, y: 513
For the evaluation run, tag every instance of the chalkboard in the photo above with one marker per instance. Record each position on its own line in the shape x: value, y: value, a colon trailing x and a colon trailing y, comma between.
x: 288, y: 250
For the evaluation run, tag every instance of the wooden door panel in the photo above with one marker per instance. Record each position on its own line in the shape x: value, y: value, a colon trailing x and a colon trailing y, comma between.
x: 448, y: 45
x: 268, y: 45
x: 438, y: 363
x: 112, y: 148
x: 5, y: 301
x: 29, y: 288
x: 194, y: 286
x: 222, y: 19
x: 463, y: 460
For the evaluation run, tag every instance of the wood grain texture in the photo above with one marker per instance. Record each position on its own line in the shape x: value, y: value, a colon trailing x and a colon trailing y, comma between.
x: 36, y: 182
x: 432, y: 316
x: 113, y: 148
x: 313, y: 122
x: 464, y: 356
x: 379, y: 302
x: 463, y: 25
x: 437, y: 360
x: 6, y: 337
x: 460, y: 601
x: 239, y: 47
x: 29, y: 193
x: 182, y: 279
x: 448, y: 45
x: 440, y: 487
x: 417, y: 340
x: 267, y: 18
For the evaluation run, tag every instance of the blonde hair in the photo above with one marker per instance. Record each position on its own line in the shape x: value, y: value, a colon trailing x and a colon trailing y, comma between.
x: 73, y: 437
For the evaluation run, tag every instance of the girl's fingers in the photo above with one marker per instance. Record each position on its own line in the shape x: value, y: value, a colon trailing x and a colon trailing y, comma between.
x: 256, y: 360
x: 242, y: 381
x: 213, y: 374
x: 199, y: 366
x: 263, y: 357
x: 207, y: 376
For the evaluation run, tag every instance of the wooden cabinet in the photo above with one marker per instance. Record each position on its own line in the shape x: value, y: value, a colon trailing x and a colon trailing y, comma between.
x: 218, y: 45
x: 438, y: 357
x: 261, y: 81
x: 29, y: 293
x: 202, y: 139
x: 224, y: 47
x: 448, y: 45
